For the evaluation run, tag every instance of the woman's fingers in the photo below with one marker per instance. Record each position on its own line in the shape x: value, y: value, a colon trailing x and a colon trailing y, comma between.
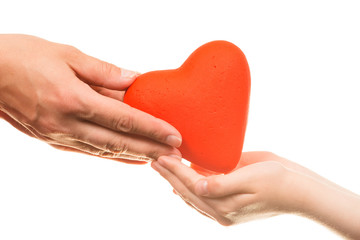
x: 238, y: 182
x: 182, y: 190
x: 120, y: 117
x: 224, y: 208
x: 186, y: 175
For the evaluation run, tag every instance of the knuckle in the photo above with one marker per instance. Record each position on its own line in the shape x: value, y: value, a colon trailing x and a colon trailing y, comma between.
x: 155, y: 134
x: 108, y: 146
x: 156, y: 131
x: 106, y: 68
x: 223, y: 210
x: 70, y: 52
x: 117, y: 147
x: 70, y: 49
x: 70, y: 105
x: 154, y: 154
x: 124, y: 124
x: 214, y: 185
x: 189, y: 183
x: 46, y: 126
x: 104, y: 154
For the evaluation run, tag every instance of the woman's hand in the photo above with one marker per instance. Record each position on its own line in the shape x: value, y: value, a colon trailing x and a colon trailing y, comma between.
x: 248, y: 193
x: 264, y: 185
x: 72, y: 101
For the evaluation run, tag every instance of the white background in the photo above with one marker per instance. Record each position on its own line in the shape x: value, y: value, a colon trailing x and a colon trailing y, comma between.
x: 304, y: 59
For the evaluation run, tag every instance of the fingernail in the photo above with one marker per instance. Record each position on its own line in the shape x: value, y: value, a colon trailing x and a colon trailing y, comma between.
x: 127, y: 75
x: 202, y: 187
x: 174, y: 141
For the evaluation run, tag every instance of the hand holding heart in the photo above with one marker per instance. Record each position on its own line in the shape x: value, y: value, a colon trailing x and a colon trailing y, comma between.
x: 264, y: 185
x: 72, y: 101
x: 257, y: 188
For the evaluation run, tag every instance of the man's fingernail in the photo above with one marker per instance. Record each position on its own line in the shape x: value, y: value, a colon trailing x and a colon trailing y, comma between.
x: 127, y: 75
x: 174, y: 141
x: 202, y: 187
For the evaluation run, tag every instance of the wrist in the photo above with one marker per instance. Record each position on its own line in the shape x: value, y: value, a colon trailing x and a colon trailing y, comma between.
x: 327, y: 204
x: 294, y: 191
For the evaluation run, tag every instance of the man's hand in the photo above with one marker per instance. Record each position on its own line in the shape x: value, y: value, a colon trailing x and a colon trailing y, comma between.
x: 72, y: 101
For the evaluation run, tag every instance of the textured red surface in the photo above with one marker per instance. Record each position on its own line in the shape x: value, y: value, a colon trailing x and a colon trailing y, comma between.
x: 206, y: 99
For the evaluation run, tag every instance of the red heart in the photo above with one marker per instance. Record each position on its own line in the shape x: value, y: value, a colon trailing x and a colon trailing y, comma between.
x: 206, y: 99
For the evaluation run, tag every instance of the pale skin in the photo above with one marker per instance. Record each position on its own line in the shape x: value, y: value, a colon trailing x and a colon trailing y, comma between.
x: 264, y: 185
x: 72, y: 101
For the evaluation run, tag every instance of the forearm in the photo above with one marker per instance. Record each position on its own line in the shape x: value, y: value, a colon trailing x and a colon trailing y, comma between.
x: 329, y: 205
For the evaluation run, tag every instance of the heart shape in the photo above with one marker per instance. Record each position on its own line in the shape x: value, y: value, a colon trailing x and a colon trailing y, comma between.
x: 206, y: 99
